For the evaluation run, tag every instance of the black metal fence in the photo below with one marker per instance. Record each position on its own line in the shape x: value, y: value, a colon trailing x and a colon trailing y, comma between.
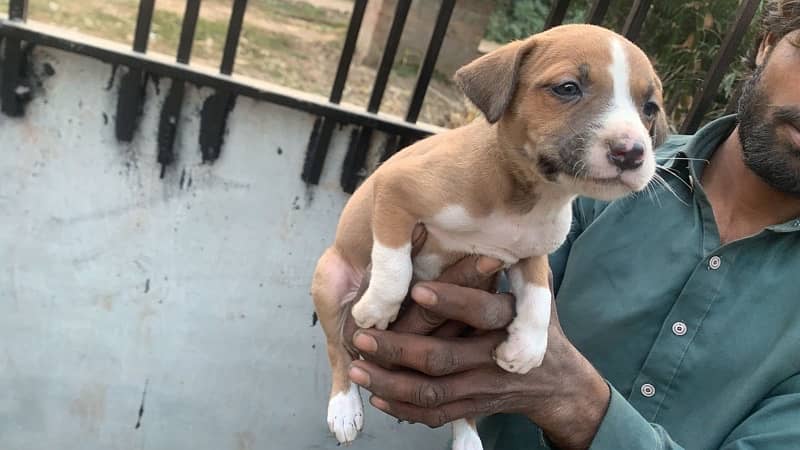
x: 17, y: 37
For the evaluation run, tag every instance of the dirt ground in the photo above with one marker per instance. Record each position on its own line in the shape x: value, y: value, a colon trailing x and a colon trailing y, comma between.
x: 294, y: 43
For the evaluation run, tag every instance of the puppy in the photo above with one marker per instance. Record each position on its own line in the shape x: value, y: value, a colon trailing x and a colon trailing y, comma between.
x: 575, y: 110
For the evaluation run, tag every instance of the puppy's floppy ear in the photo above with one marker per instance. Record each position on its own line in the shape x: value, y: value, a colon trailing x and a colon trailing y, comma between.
x: 491, y: 80
x: 659, y: 130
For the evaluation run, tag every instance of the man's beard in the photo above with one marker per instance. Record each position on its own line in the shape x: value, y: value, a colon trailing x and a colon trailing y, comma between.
x: 774, y: 159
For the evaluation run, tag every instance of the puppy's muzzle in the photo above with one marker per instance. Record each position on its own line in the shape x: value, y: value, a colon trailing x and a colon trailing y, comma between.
x: 626, y: 154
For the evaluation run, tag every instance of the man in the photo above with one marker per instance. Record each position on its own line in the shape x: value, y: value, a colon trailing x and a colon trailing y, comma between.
x: 680, y: 309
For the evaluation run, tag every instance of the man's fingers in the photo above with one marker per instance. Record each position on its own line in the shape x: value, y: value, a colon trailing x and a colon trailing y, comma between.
x: 420, y: 390
x: 474, y: 307
x: 405, y: 386
x: 472, y: 271
x: 431, y: 356
x: 417, y: 320
x: 436, y: 417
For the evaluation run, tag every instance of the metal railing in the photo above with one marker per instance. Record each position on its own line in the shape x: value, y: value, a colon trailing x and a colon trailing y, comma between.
x: 16, y: 33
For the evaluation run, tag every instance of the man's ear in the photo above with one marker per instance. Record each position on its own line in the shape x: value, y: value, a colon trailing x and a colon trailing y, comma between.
x: 765, y: 47
x: 491, y: 80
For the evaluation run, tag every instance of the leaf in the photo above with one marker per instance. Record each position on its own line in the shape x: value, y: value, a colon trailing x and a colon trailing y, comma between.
x: 708, y: 21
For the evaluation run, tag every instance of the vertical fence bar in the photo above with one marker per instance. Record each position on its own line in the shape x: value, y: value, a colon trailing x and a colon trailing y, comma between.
x: 390, y: 51
x: 429, y: 62
x: 635, y: 20
x: 323, y: 127
x: 348, y: 50
x: 144, y: 21
x: 597, y: 12
x: 132, y: 85
x: 424, y: 75
x: 173, y: 104
x: 190, y: 18
x: 216, y: 108
x: 18, y: 10
x: 557, y: 14
x: 727, y: 51
x: 357, y: 154
x: 232, y: 39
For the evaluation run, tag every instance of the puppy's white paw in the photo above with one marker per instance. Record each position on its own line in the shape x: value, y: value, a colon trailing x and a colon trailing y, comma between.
x: 465, y: 437
x: 468, y: 443
x: 346, y: 415
x: 371, y: 312
x: 521, y: 352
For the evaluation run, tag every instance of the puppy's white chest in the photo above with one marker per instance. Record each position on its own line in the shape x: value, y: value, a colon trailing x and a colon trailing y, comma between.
x: 504, y: 236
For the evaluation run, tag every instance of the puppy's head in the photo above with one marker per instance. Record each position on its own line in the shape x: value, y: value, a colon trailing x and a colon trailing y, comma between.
x: 579, y: 104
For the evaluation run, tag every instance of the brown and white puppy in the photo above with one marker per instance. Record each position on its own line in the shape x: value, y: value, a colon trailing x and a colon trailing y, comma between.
x: 575, y: 110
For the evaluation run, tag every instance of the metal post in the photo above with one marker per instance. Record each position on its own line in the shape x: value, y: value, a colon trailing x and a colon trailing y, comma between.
x: 357, y: 154
x: 323, y: 127
x: 727, y: 51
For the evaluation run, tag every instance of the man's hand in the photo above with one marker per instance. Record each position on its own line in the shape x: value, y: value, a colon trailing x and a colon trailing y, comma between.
x: 439, y: 378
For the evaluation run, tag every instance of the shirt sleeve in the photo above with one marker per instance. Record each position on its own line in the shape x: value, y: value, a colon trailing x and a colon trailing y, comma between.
x: 558, y: 259
x: 774, y: 424
x: 623, y: 427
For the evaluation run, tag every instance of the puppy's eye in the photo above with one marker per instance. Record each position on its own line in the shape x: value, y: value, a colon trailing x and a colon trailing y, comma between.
x: 650, y: 109
x: 567, y: 90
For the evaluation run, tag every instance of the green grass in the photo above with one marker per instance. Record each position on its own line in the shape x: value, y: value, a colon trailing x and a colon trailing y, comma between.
x: 302, y: 11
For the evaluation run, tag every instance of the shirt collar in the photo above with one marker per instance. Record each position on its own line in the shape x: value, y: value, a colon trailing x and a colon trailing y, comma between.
x: 690, y: 160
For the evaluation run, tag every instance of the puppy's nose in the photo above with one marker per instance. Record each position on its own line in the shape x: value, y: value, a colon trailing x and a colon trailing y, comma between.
x: 627, y: 154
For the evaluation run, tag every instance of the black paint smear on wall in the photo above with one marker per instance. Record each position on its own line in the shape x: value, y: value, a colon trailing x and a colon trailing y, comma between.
x: 168, y: 125
x: 213, y: 124
x: 141, y: 406
x: 132, y: 90
x: 17, y: 83
x: 111, y: 78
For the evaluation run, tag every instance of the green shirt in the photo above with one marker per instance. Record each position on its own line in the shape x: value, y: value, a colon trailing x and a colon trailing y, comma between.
x: 699, y: 342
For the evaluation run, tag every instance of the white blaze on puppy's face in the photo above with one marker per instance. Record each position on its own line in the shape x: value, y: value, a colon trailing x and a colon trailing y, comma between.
x: 622, y: 124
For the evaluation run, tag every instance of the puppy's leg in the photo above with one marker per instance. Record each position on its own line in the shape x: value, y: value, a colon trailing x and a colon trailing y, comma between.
x: 465, y: 435
x: 335, y: 284
x: 527, y: 334
x: 390, y: 276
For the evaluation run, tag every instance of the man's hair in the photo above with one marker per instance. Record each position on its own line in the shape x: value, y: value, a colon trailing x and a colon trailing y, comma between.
x: 779, y: 18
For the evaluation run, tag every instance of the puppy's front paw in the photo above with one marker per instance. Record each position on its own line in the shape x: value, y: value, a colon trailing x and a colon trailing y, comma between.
x: 468, y: 443
x: 465, y: 436
x: 370, y: 312
x: 521, y: 352
x: 346, y: 415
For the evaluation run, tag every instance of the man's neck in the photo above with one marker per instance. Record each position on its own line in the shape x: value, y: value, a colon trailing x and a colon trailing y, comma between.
x: 742, y: 202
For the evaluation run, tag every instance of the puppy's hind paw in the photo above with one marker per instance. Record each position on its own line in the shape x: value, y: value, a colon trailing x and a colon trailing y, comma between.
x: 346, y: 415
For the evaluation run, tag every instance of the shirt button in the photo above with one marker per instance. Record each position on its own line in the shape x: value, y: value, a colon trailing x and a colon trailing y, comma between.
x: 679, y: 328
x: 714, y: 262
x: 648, y: 390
